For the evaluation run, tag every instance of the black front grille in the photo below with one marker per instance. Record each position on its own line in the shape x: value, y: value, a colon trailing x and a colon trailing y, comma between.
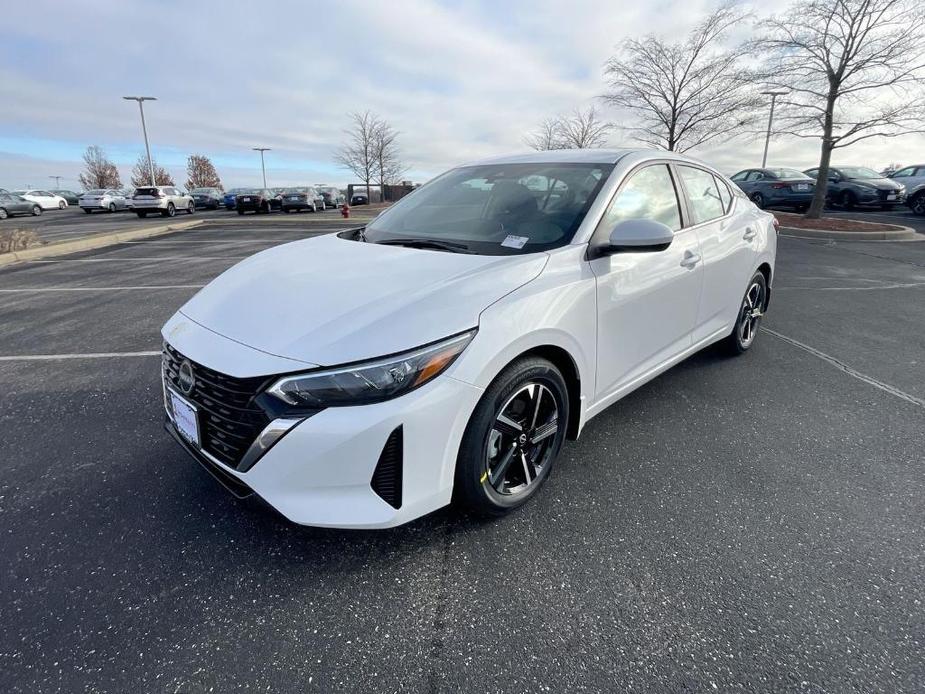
x: 387, y: 477
x: 229, y: 418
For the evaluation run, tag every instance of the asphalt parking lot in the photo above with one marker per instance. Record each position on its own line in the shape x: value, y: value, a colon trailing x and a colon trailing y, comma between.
x: 750, y: 524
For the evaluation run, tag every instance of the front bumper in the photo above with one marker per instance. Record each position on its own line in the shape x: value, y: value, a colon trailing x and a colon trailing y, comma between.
x: 321, y: 471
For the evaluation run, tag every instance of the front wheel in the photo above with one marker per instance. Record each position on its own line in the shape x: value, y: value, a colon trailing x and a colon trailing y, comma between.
x: 88, y: 210
x: 142, y: 215
x: 513, y: 438
x: 748, y: 321
x: 111, y: 208
x: 917, y: 204
x: 758, y: 199
x: 36, y: 211
x: 62, y: 205
x: 3, y: 213
x: 846, y: 200
x: 190, y: 208
x: 241, y: 212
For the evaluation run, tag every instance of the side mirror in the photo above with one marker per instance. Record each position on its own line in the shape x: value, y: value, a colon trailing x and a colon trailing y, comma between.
x: 638, y: 235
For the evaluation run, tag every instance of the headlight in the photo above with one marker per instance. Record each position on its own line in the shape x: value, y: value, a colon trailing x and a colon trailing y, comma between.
x: 371, y: 381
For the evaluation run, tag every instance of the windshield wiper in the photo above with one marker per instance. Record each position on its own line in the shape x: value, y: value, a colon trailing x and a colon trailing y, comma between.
x: 448, y: 246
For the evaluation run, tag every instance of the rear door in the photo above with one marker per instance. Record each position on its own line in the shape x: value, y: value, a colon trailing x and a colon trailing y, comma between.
x: 726, y: 243
x: 647, y: 301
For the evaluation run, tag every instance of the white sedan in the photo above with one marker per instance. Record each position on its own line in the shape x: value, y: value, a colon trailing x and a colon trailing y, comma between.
x: 109, y: 200
x: 44, y: 199
x: 445, y: 351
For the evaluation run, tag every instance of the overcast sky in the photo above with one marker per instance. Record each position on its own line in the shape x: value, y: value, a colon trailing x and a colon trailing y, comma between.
x: 459, y: 80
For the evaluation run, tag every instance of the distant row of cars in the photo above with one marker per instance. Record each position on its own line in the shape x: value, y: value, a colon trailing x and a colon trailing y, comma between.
x: 848, y: 187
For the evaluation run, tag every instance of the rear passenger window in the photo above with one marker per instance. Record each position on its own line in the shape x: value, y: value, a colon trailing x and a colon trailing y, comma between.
x: 702, y: 194
x: 648, y: 194
x: 724, y: 193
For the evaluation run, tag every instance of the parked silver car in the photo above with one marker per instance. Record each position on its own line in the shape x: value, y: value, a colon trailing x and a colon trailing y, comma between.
x: 302, y: 198
x: 163, y: 200
x: 11, y: 204
x: 107, y: 199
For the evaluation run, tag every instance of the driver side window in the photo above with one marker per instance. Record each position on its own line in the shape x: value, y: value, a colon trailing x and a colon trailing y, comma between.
x: 648, y: 194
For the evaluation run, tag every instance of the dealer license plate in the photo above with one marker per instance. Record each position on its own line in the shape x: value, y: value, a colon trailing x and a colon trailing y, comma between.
x: 184, y: 418
x: 891, y: 196
x: 802, y: 186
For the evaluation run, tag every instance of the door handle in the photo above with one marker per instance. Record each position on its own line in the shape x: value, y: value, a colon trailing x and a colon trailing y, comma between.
x: 690, y: 259
x: 749, y: 234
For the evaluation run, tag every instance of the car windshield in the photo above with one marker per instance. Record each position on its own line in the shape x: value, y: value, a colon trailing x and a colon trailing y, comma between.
x: 202, y: 190
x: 858, y: 172
x: 296, y: 190
x: 788, y: 173
x: 249, y: 191
x: 495, y: 209
x: 95, y: 192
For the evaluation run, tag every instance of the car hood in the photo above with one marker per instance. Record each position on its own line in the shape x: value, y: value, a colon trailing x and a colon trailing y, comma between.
x: 878, y: 183
x: 330, y: 301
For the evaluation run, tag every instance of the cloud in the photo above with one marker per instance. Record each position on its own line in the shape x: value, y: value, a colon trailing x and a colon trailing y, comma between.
x: 459, y: 80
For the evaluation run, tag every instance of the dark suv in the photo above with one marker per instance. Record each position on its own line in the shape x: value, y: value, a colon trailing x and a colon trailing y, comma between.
x: 257, y: 200
x: 855, y: 186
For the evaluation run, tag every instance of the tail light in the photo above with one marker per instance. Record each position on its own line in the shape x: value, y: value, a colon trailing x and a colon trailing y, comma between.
x: 779, y: 186
x: 776, y: 226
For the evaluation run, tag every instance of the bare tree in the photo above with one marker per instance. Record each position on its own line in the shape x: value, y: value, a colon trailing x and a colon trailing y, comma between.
x: 855, y: 69
x: 201, y: 173
x: 684, y: 94
x: 546, y: 136
x: 358, y: 154
x: 580, y: 129
x: 99, y: 172
x: 389, y: 167
x: 141, y: 174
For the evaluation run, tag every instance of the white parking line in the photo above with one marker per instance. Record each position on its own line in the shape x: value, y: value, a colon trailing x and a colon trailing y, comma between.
x: 91, y: 355
x: 98, y: 289
x: 854, y: 373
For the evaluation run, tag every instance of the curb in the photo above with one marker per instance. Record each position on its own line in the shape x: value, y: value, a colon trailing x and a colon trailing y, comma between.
x: 900, y: 234
x: 89, y: 243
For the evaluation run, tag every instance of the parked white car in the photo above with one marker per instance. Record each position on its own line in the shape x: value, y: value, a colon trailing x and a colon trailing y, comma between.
x: 446, y: 350
x: 128, y: 194
x: 45, y: 199
x: 109, y: 200
x: 163, y: 200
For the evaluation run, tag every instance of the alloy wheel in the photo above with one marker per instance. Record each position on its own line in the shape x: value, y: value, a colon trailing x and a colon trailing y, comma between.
x: 751, y: 314
x: 521, y: 440
x: 3, y: 213
x: 918, y: 204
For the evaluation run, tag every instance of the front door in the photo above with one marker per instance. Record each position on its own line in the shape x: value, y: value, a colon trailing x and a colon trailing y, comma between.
x: 646, y: 301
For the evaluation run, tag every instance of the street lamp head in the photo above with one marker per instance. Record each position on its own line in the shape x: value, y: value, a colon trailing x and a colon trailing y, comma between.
x: 261, y: 149
x: 140, y: 98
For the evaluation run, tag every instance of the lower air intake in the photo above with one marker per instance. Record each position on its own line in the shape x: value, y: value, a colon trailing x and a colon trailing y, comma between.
x: 386, y: 481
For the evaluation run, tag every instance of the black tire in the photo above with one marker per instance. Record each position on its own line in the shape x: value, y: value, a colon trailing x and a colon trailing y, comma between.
x: 191, y: 208
x: 62, y: 205
x: 112, y: 207
x: 171, y: 210
x: 847, y: 200
x: 740, y: 340
x: 36, y: 211
x: 474, y: 489
x: 241, y: 212
x: 3, y: 213
x: 142, y: 215
x: 800, y: 209
x: 917, y: 204
x: 758, y: 199
x: 87, y: 210
x: 287, y: 210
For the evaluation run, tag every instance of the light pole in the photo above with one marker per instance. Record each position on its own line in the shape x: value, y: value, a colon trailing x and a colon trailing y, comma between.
x: 57, y: 182
x: 262, y: 167
x: 773, y: 94
x: 141, y: 108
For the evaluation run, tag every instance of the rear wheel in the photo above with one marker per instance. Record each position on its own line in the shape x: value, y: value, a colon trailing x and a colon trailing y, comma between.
x: 191, y: 208
x: 758, y: 199
x: 112, y: 207
x: 87, y: 210
x: 142, y: 215
x: 241, y: 212
x: 287, y: 210
x: 746, y: 327
x: 171, y: 210
x: 846, y: 200
x: 62, y: 205
x: 513, y: 438
x: 36, y: 211
x: 3, y: 213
